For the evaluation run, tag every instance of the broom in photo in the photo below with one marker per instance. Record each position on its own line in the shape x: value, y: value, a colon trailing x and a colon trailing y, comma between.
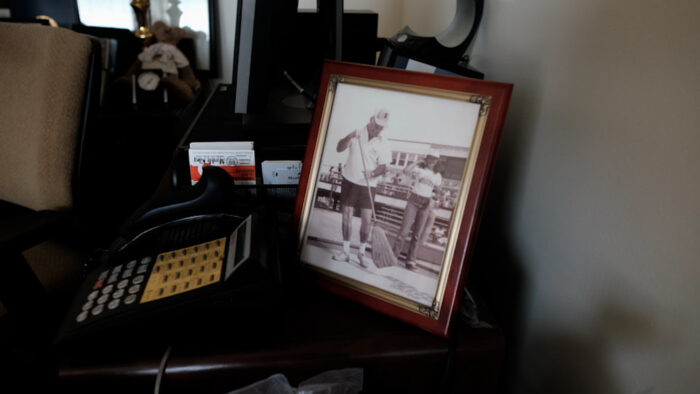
x: 382, y: 253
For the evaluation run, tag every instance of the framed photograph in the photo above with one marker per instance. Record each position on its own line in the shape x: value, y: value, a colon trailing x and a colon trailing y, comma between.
x: 392, y: 186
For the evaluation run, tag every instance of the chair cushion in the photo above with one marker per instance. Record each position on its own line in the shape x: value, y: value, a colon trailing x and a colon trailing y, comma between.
x: 42, y: 75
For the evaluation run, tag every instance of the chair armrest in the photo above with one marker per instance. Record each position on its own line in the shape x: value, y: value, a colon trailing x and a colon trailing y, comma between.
x: 21, y: 232
x: 20, y: 290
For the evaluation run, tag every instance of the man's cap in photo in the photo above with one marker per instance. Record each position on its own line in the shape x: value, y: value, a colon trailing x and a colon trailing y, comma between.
x: 434, y: 153
x: 381, y: 117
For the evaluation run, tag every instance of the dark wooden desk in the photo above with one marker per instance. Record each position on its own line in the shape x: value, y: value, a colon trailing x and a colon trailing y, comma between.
x: 310, y: 333
x: 307, y: 332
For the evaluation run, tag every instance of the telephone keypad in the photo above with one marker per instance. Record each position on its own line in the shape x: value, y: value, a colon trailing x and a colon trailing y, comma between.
x: 171, y: 276
x: 173, y: 272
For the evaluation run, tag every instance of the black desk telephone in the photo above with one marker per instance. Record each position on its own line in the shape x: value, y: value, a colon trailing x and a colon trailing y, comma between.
x: 176, y: 256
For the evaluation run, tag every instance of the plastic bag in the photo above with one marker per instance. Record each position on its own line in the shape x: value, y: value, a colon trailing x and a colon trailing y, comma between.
x: 339, y: 381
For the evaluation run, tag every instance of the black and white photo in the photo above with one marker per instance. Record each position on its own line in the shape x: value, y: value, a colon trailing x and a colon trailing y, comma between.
x: 392, y: 161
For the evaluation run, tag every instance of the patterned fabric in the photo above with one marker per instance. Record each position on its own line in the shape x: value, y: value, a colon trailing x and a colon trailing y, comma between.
x: 42, y: 79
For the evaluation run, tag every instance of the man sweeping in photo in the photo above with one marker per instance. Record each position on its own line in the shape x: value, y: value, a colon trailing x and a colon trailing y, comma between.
x: 368, y: 155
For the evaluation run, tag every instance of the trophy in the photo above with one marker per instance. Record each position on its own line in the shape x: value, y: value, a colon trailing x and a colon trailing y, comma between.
x: 141, y: 10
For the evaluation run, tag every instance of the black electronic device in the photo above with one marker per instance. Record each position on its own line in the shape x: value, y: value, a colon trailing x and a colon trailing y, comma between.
x: 262, y: 32
x: 185, y: 258
x: 65, y: 12
x: 447, y: 52
x: 279, y: 52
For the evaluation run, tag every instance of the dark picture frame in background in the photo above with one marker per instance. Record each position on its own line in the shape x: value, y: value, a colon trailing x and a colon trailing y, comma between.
x: 393, y: 183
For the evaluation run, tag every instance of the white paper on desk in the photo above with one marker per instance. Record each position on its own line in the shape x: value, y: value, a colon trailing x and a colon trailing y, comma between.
x: 281, y: 172
x: 222, y: 145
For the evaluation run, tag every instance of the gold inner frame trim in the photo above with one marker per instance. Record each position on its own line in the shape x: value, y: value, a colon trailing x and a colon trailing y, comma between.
x: 431, y: 311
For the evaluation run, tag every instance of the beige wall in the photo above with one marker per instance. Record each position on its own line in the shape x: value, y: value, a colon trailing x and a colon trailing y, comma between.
x: 597, y: 191
x: 594, y: 212
x: 425, y: 17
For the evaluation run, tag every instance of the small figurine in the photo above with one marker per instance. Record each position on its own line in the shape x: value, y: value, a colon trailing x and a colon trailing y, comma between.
x: 162, y: 64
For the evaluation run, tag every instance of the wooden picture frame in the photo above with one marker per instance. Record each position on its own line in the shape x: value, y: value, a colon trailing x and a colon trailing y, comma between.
x: 416, y: 253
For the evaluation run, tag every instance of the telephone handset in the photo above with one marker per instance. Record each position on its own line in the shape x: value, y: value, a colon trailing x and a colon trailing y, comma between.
x: 174, y: 251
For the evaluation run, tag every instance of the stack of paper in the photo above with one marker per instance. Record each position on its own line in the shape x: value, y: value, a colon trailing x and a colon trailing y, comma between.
x: 236, y: 157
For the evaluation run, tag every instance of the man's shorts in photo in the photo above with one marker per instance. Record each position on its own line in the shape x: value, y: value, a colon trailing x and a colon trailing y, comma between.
x: 354, y: 195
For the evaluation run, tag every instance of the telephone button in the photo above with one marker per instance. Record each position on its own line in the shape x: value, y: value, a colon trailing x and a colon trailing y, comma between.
x: 146, y: 260
x: 142, y: 269
x: 103, y: 299
x: 131, y: 264
x: 137, y: 279
x: 103, y: 274
x: 97, y: 310
x: 134, y: 289
x: 107, y: 289
x: 88, y: 305
x: 98, y: 284
x: 130, y: 299
x: 127, y: 273
x: 117, y: 268
x: 113, y: 304
x: 93, y: 295
x: 123, y: 283
x: 113, y: 278
x: 118, y: 294
x: 81, y: 317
